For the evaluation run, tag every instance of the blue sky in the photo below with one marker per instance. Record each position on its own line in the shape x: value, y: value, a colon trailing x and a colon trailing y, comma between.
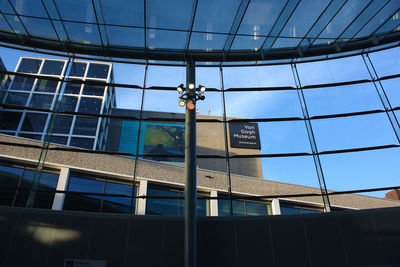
x: 378, y: 168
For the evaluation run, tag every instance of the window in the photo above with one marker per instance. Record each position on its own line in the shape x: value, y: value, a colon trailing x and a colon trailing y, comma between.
x: 85, y: 126
x: 22, y: 83
x: 41, y: 101
x: 290, y: 209
x: 78, y: 69
x: 72, y: 88
x: 98, y: 71
x: 34, y: 122
x: 9, y: 120
x: 243, y: 207
x: 20, y: 178
x: 86, y: 143
x: 49, y: 86
x: 90, y: 105
x: 62, y: 124
x: 93, y: 196
x: 170, y: 207
x: 68, y: 103
x: 17, y: 98
x: 52, y: 67
x: 29, y: 65
x: 93, y: 90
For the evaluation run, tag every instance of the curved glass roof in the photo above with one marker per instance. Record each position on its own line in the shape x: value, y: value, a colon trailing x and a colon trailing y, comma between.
x: 202, y: 30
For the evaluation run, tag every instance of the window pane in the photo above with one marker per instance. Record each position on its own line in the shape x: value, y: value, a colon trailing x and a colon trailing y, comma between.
x: 93, y: 90
x: 59, y: 140
x: 34, y: 122
x: 52, y: 67
x: 72, y: 88
x: 392, y: 91
x: 90, y: 105
x: 29, y: 65
x: 386, y: 62
x: 85, y: 126
x: 118, y: 204
x: 98, y: 70
x: 9, y: 177
x: 165, y: 76
x: 224, y: 207
x: 47, y: 182
x: 83, y: 202
x: 82, y: 32
x: 78, y: 69
x: 68, y: 103
x: 31, y: 136
x: 333, y: 71
x: 62, y: 124
x: 9, y: 120
x: 41, y: 101
x: 289, y: 210
x: 17, y: 98
x: 256, y: 209
x: 155, y: 206
x: 46, y: 86
x: 86, y: 143
x: 22, y: 83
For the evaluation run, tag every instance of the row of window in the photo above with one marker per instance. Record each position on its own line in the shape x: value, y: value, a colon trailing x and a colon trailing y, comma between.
x: 55, y: 67
x: 91, y: 193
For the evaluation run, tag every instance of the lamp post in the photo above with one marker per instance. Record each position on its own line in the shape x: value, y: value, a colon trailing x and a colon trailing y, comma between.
x: 188, y: 97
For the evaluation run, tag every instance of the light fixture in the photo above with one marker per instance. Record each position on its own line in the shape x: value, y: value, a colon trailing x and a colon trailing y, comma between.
x: 180, y: 88
x: 191, y: 85
x: 181, y: 103
x: 202, y: 88
x: 190, y: 105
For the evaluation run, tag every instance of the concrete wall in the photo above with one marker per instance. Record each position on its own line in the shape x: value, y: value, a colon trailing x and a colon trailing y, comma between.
x: 33, y: 237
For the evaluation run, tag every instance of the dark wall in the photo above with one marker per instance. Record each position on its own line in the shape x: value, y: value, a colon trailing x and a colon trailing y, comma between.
x: 33, y: 237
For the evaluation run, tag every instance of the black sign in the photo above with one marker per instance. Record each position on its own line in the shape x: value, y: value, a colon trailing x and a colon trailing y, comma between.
x: 244, y: 135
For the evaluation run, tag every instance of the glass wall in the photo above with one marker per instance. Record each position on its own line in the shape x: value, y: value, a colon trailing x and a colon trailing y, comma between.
x: 318, y: 126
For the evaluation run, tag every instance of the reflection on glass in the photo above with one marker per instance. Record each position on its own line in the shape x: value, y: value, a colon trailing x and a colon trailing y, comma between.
x: 62, y: 124
x: 17, y: 98
x: 41, y: 101
x: 22, y: 83
x: 78, y: 69
x: 98, y: 70
x: 85, y: 126
x: 72, y: 88
x: 49, y: 86
x: 9, y: 120
x: 9, y: 177
x: 83, y: 202
x: 90, y: 105
x: 86, y: 143
x: 68, y: 103
x: 29, y: 65
x: 118, y: 204
x: 93, y: 90
x: 62, y: 140
x: 53, y: 67
x: 34, y: 122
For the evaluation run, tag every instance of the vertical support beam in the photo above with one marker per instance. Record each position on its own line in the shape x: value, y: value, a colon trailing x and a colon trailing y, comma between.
x: 141, y: 202
x: 62, y: 185
x: 213, y: 203
x: 276, y: 207
x: 190, y: 173
x: 382, y: 96
x: 313, y: 144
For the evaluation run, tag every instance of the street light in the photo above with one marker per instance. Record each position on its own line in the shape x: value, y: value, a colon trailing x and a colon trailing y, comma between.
x: 189, y: 97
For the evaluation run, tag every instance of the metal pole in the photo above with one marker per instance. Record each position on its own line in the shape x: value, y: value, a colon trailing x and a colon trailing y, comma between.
x: 190, y: 173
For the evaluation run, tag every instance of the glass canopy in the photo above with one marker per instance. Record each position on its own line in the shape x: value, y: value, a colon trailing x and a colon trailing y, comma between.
x: 203, y: 30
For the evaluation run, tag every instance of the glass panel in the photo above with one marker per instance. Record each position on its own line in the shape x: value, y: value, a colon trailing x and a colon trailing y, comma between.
x: 353, y: 132
x: 34, y: 122
x: 49, y: 86
x: 29, y: 8
x: 210, y: 77
x: 260, y: 17
x: 392, y: 91
x: 98, y: 70
x: 52, y: 67
x: 164, y: 39
x: 118, y: 204
x: 128, y: 73
x: 22, y: 83
x: 83, y: 202
x: 123, y: 36
x: 47, y: 182
x: 342, y: 99
x: 262, y: 104
x: 85, y: 126
x: 333, y: 71
x: 96, y: 90
x: 263, y: 76
x: 247, y: 42
x: 361, y: 170
x: 62, y: 124
x: 41, y: 101
x: 224, y: 207
x: 79, y: 11
x: 31, y: 136
x: 165, y: 76
x: 59, y: 140
x: 289, y: 210
x: 72, y: 88
x: 4, y: 25
x: 207, y: 41
x: 215, y: 16
x: 120, y: 12
x: 25, y: 188
x: 29, y: 65
x: 83, y: 32
x: 128, y: 98
x: 39, y: 27
x: 169, y: 103
x: 78, y: 69
x: 155, y: 206
x: 90, y: 105
x: 9, y: 120
x: 17, y: 98
x: 9, y: 177
x: 306, y: 13
x: 386, y: 62
x: 86, y: 143
x: 256, y: 209
x: 343, y: 18
x: 68, y: 104
x: 163, y: 14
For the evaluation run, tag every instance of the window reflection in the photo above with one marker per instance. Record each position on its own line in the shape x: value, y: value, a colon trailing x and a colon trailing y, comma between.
x: 49, y: 86
x: 29, y: 65
x: 22, y: 83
